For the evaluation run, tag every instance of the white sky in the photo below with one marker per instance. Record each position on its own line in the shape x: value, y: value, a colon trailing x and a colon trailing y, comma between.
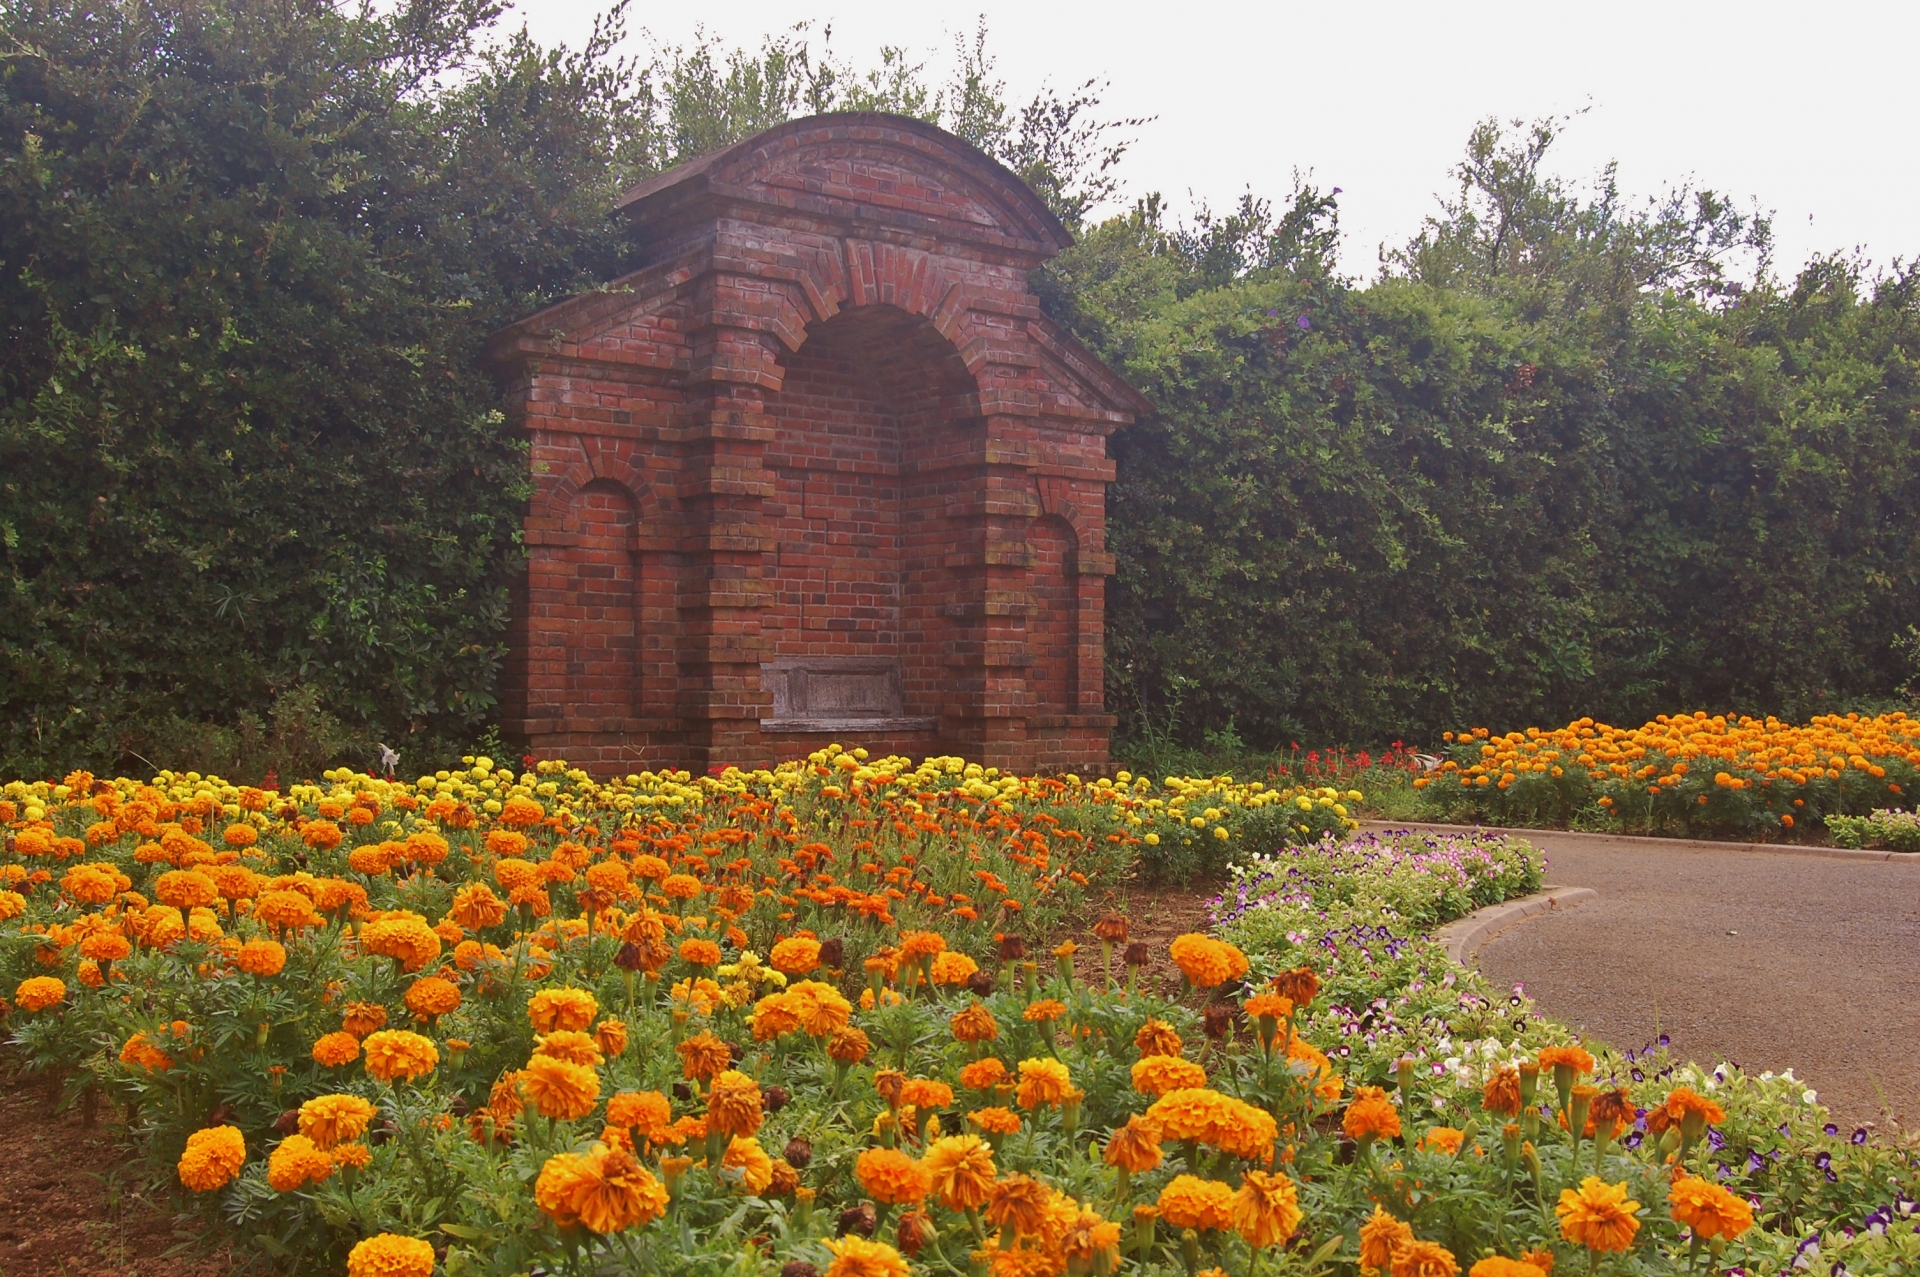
x: 1813, y: 109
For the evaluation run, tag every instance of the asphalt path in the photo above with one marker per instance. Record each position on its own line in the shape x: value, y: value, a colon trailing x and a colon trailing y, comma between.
x: 1768, y: 959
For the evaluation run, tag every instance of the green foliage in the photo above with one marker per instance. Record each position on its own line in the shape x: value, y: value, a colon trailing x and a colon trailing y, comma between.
x: 1556, y: 460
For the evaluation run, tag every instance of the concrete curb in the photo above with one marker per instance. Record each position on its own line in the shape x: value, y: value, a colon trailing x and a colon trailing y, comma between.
x: 1640, y: 842
x: 1463, y: 937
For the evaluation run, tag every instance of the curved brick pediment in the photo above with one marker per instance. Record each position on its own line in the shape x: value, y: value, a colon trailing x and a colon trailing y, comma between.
x: 887, y: 173
x: 821, y: 469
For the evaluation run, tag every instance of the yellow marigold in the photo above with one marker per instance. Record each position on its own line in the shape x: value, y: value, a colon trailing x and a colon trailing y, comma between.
x: 1380, y: 1237
x: 1708, y: 1208
x: 559, y: 1090
x: 1266, y: 1209
x: 297, y: 1162
x: 605, y: 1189
x: 1156, y: 1037
x: 890, y: 1176
x: 1043, y: 1082
x: 551, y: 1009
x: 570, y: 1045
x: 1598, y: 1215
x: 1155, y: 1075
x: 1371, y: 1115
x: 396, y: 1053
x: 328, y: 1120
x: 995, y: 1121
x: 745, y: 1155
x: 983, y: 1075
x: 37, y: 993
x: 734, y: 1104
x: 796, y: 955
x: 704, y: 1056
x: 1135, y: 1147
x: 1424, y: 1259
x: 1191, y: 1202
x: 960, y: 1171
x: 432, y: 996
x: 1207, y: 962
x: 974, y: 1024
x: 855, y: 1256
x: 336, y: 1049
x: 953, y: 968
x: 212, y: 1158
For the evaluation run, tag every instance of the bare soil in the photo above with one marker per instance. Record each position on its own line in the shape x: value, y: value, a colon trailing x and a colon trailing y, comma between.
x: 71, y: 1202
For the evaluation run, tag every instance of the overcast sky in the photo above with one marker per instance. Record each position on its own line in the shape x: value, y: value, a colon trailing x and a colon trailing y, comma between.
x: 1812, y: 109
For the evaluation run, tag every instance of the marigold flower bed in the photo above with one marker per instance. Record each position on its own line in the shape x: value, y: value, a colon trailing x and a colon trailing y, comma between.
x: 801, y: 1021
x: 1683, y: 773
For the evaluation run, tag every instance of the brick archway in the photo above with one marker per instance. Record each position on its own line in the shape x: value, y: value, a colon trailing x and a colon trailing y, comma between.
x: 864, y: 476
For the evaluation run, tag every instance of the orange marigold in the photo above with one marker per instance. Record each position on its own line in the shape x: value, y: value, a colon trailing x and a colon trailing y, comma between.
x: 745, y: 1155
x: 1598, y: 1215
x: 1708, y: 1208
x: 974, y: 1024
x: 37, y: 993
x: 960, y: 1171
x: 890, y: 1176
x: 212, y: 1159
x: 1566, y: 1057
x: 1207, y: 962
x: 734, y: 1104
x: 396, y: 1053
x: 328, y: 1120
x: 1371, y: 1115
x: 704, y: 1056
x: 390, y: 1255
x: 1156, y: 1037
x: 1380, y: 1237
x: 1266, y: 1209
x: 336, y: 1049
x: 983, y: 1075
x: 1135, y: 1147
x: 570, y: 1045
x: 1043, y: 1082
x: 994, y: 1121
x: 855, y: 1256
x: 605, y: 1189
x: 551, y: 1009
x: 1156, y: 1075
x: 796, y: 955
x: 297, y: 1162
x: 1496, y: 1266
x: 1191, y: 1202
x: 1424, y: 1259
x: 559, y: 1090
x: 432, y: 996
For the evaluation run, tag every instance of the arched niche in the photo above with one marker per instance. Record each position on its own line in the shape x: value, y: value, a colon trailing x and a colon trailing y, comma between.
x: 869, y: 405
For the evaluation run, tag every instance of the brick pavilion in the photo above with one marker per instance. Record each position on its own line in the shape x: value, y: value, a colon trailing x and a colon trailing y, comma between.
x: 820, y: 470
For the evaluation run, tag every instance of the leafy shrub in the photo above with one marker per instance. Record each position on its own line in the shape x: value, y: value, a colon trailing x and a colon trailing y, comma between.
x: 1894, y: 830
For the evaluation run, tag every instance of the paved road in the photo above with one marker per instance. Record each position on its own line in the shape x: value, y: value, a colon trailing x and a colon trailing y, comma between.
x: 1771, y: 960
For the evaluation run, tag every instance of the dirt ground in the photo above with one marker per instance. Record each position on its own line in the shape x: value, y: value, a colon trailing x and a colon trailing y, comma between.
x: 70, y: 1199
